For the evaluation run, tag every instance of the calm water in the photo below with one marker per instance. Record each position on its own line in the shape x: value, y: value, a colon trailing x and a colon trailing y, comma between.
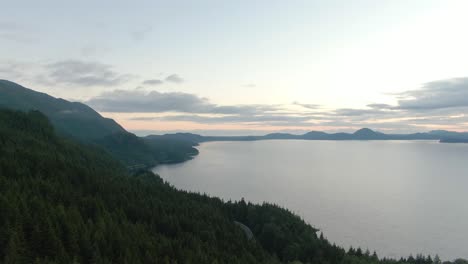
x: 395, y: 197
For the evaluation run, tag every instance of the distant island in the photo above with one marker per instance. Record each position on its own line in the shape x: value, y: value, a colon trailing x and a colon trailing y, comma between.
x: 361, y: 134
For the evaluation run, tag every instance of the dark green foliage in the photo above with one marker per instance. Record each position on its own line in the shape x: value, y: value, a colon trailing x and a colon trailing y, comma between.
x: 139, y: 153
x: 171, y: 150
x: 129, y: 149
x: 62, y: 202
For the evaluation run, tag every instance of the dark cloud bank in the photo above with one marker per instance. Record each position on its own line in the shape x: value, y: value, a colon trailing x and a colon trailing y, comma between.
x: 441, y: 102
x: 137, y: 101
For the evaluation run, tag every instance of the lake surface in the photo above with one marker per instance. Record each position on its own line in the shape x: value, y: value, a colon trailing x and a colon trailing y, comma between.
x: 395, y: 197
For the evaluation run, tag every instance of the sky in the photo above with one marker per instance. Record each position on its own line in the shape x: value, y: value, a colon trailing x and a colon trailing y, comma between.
x: 246, y: 67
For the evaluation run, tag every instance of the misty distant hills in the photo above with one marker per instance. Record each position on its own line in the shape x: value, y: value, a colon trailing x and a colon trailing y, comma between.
x: 81, y: 122
x: 361, y: 134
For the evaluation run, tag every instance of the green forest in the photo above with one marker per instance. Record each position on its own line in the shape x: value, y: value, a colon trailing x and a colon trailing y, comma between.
x: 62, y: 201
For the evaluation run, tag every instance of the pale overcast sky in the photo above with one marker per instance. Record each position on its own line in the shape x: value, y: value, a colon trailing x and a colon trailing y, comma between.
x: 246, y: 66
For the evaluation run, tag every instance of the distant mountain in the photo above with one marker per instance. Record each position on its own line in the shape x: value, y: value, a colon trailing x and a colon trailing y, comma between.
x: 366, y: 134
x: 454, y: 140
x: 361, y: 134
x: 315, y: 135
x: 187, y: 137
x: 451, y: 137
x: 79, y: 121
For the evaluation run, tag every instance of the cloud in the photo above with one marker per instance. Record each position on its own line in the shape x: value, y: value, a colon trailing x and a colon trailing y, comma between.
x: 283, y: 119
x: 83, y: 73
x: 174, y: 78
x: 74, y: 73
x: 244, y: 109
x: 152, y: 82
x: 249, y: 85
x: 440, y: 94
x: 439, y: 104
x: 80, y: 73
x: 359, y: 112
x: 140, y: 101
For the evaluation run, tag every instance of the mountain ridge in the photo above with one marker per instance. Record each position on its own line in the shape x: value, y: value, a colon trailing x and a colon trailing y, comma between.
x: 79, y: 121
x: 69, y: 118
x: 360, y: 134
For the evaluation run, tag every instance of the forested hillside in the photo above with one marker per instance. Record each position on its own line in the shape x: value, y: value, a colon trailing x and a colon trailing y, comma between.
x: 62, y: 202
x: 80, y: 122
x: 69, y: 118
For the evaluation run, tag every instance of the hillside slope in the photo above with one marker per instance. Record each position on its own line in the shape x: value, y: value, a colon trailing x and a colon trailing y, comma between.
x: 70, y: 118
x: 79, y: 121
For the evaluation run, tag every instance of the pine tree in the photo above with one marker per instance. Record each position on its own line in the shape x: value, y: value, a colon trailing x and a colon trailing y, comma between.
x: 15, y: 251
